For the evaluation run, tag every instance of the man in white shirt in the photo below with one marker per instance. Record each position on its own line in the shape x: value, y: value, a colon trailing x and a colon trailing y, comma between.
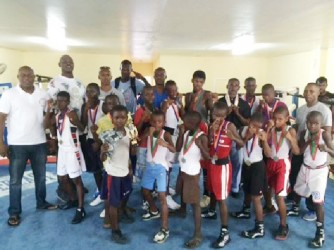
x: 23, y: 108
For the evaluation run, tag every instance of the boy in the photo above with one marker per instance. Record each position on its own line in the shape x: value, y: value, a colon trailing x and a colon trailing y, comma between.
x: 119, y: 181
x: 192, y: 145
x: 316, y: 144
x: 200, y: 100
x: 222, y: 133
x: 173, y: 109
x: 159, y: 143
x: 283, y: 139
x: 254, y: 173
x: 250, y: 97
x: 70, y: 161
x: 91, y: 113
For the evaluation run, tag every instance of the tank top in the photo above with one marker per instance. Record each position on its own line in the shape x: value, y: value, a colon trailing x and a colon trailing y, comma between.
x: 93, y: 116
x: 198, y: 105
x: 172, y: 117
x: 190, y: 157
x: 223, y: 145
x: 67, y: 133
x: 284, y: 145
x: 319, y: 158
x: 252, y: 151
x: 157, y: 154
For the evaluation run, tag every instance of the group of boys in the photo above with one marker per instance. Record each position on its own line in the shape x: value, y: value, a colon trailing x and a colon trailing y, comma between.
x: 238, y: 139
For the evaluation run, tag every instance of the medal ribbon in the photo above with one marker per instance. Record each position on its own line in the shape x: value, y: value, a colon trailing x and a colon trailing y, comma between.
x: 314, y: 145
x: 217, y: 136
x: 187, y: 144
x: 272, y: 110
x: 93, y: 116
x: 279, y: 143
x: 252, y: 146
x: 61, y: 122
x: 251, y: 103
x: 154, y: 146
x: 228, y: 100
x: 176, y: 111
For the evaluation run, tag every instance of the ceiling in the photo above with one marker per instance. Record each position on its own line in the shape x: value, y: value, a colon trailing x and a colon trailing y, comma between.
x: 145, y: 29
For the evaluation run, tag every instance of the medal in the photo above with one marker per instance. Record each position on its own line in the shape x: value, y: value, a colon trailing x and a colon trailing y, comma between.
x: 93, y: 116
x: 215, y: 157
x: 228, y: 100
x: 187, y: 144
x: 248, y: 163
x: 60, y: 142
x: 314, y: 145
x: 61, y: 123
x: 216, y: 138
x: 154, y: 146
x: 271, y: 111
x: 278, y: 143
x: 183, y: 160
x: 249, y: 152
x: 275, y: 158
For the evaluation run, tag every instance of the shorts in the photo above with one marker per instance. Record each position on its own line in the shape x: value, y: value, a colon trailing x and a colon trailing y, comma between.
x: 92, y: 158
x: 312, y: 182
x: 141, y: 162
x: 70, y: 162
x: 254, y: 178
x: 155, y: 173
x: 115, y: 189
x: 220, y: 180
x: 278, y: 176
x: 188, y: 187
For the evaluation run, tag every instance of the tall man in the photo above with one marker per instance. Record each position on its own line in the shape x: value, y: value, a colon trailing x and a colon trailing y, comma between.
x: 23, y: 105
x: 239, y: 113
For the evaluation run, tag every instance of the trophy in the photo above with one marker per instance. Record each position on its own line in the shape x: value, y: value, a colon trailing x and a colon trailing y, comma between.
x: 111, y: 137
x: 133, y: 134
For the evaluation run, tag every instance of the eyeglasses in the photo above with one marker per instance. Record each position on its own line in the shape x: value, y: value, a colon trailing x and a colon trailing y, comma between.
x: 104, y: 68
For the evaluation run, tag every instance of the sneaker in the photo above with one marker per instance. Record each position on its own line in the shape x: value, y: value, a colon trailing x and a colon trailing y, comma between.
x: 103, y: 213
x: 79, y: 215
x: 310, y: 216
x: 126, y: 218
x: 205, y: 201
x: 257, y: 232
x: 145, y: 205
x: 97, y: 201
x: 223, y: 239
x: 171, y: 191
x: 209, y: 214
x: 161, y: 236
x: 118, y: 237
x: 243, y: 214
x: 171, y: 203
x: 319, y: 238
x: 155, y: 194
x: 269, y: 210
x: 294, y: 211
x: 282, y: 232
x: 151, y: 215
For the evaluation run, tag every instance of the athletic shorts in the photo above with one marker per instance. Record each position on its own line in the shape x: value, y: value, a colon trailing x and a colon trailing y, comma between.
x: 155, y: 173
x: 141, y: 162
x: 220, y: 180
x: 70, y: 162
x: 92, y: 158
x: 278, y: 176
x: 115, y: 189
x: 188, y: 187
x: 312, y: 182
x: 254, y: 178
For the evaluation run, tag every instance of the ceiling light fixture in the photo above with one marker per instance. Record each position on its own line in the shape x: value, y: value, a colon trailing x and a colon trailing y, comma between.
x: 243, y: 44
x: 56, y: 34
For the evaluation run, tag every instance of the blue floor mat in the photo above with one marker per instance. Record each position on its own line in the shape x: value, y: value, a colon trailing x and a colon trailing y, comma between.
x: 53, y: 230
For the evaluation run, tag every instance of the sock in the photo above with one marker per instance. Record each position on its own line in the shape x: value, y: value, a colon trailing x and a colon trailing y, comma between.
x: 320, y: 224
x: 224, y: 228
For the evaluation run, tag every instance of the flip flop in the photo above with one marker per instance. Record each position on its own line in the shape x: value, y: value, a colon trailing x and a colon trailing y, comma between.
x: 194, y: 242
x: 14, y: 220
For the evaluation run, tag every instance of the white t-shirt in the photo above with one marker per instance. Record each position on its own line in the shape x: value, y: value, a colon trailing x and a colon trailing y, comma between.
x: 73, y: 86
x: 25, y: 121
x: 126, y: 90
x: 114, y: 91
x: 304, y: 110
x: 118, y: 164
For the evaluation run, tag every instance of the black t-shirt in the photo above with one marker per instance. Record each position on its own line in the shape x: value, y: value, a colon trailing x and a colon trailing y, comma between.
x: 327, y: 98
x: 244, y: 110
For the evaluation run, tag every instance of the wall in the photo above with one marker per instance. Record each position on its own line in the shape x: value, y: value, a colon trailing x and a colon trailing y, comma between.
x: 13, y: 60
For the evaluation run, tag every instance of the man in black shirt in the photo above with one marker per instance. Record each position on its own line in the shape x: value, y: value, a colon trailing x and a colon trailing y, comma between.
x: 239, y: 113
x: 325, y: 96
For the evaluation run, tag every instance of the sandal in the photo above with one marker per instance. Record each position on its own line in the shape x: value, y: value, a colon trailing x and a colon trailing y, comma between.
x: 14, y: 220
x: 48, y: 206
x: 194, y: 242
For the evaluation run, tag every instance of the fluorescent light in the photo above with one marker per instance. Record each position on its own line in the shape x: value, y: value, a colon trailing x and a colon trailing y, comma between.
x: 56, y: 34
x: 243, y: 44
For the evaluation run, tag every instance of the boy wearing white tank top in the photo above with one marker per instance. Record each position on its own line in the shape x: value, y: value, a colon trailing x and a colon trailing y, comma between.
x: 159, y: 143
x: 316, y: 144
x: 283, y: 138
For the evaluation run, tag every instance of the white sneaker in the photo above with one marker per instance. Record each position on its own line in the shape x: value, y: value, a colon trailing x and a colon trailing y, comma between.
x: 103, y: 213
x: 96, y: 202
x: 171, y: 203
x: 171, y: 191
x: 145, y: 205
